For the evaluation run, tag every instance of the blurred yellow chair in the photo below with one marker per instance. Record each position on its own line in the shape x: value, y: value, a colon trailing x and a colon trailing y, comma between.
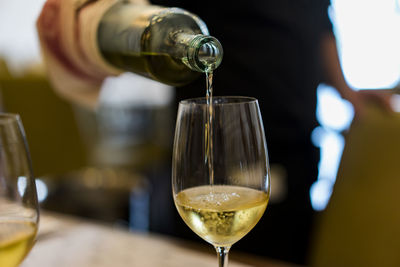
x: 54, y: 140
x: 361, y: 225
x: 4, y: 73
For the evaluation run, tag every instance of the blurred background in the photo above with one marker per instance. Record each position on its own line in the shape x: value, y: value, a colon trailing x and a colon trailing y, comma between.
x: 98, y: 163
x: 116, y: 157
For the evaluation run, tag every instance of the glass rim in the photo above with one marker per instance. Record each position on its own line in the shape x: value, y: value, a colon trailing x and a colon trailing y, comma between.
x: 202, y: 100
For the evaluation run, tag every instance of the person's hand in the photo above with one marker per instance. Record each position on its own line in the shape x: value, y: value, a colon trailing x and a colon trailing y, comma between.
x: 362, y: 98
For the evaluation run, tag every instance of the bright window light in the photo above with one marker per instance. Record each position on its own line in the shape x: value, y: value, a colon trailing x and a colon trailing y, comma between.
x: 332, y: 111
x: 367, y: 33
x: 19, y: 44
x: 368, y: 42
x: 320, y: 193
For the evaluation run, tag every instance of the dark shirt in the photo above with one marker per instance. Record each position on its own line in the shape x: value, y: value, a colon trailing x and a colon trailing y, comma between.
x: 271, y: 52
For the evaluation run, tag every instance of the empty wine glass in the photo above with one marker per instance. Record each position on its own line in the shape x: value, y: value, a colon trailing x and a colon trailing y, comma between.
x: 220, y: 169
x: 19, y: 210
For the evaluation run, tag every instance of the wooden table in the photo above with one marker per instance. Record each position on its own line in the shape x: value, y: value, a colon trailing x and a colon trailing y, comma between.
x: 70, y: 242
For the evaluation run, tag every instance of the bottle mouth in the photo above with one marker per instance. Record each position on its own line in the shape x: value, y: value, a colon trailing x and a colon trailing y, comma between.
x: 205, y: 53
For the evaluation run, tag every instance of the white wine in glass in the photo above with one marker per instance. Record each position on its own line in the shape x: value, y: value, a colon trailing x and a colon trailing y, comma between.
x: 19, y: 209
x: 220, y: 172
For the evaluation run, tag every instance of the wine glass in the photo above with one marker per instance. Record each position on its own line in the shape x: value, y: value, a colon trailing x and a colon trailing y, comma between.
x: 19, y: 210
x: 220, y: 169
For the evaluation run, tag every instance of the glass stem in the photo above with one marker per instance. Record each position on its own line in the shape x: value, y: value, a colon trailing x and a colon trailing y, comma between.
x: 222, y: 253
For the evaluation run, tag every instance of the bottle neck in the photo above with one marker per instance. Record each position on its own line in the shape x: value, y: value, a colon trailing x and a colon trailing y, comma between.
x: 202, y: 53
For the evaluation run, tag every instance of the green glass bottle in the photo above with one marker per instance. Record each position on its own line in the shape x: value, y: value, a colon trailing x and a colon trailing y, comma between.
x: 169, y: 45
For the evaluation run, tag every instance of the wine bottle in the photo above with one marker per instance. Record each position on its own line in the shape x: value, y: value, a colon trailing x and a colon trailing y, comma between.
x: 169, y: 45
x: 83, y: 42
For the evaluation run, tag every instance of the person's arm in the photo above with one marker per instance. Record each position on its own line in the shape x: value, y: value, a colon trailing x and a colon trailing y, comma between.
x: 334, y: 77
x: 67, y: 32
